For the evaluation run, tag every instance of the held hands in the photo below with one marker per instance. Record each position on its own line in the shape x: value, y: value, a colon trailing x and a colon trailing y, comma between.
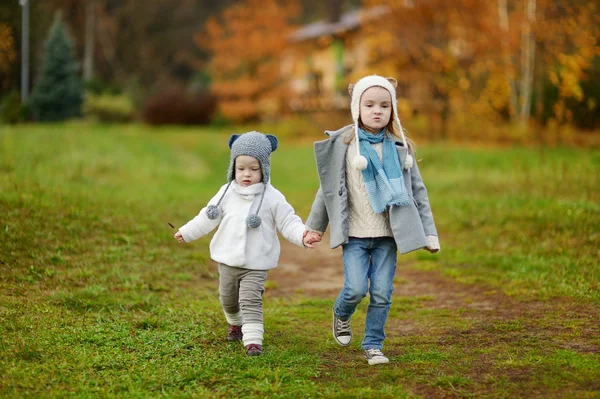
x: 179, y: 237
x: 309, y: 238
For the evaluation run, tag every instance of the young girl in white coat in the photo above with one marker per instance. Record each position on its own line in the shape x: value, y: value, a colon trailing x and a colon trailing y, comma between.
x: 249, y: 211
x: 373, y: 198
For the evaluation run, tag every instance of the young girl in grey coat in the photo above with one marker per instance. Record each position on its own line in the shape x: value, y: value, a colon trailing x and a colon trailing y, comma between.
x: 373, y: 198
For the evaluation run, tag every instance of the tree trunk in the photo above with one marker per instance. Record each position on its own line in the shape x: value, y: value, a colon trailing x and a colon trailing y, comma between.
x: 88, y: 58
x: 538, y: 107
x: 107, y: 47
x: 334, y: 10
x: 527, y: 60
x: 508, y: 67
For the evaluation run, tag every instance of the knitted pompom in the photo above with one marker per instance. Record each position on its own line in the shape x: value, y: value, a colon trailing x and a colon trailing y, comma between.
x: 408, y: 162
x: 359, y: 162
x: 212, y: 212
x: 253, y: 221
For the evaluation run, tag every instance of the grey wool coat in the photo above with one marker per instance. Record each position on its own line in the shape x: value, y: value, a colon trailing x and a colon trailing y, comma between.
x: 410, y: 224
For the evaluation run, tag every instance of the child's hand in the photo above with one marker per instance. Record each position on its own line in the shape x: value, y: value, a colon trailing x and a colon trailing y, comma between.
x: 310, y: 237
x: 314, y: 237
x: 179, y: 237
x: 433, y: 244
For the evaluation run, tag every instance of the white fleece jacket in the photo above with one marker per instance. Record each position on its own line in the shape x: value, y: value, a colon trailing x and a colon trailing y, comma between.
x: 234, y: 243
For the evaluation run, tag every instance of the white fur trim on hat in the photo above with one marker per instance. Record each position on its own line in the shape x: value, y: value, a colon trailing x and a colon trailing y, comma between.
x: 357, y: 91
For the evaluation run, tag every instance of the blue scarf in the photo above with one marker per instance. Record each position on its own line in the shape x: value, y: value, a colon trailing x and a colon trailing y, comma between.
x: 384, y: 182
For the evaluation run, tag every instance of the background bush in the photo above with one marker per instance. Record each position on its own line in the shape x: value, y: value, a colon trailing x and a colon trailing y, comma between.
x: 98, y: 86
x: 180, y: 108
x: 108, y: 108
x: 10, y: 108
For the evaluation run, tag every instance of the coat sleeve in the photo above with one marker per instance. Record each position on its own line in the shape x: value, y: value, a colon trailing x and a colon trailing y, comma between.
x: 201, y: 225
x: 288, y: 223
x: 422, y: 201
x: 318, y: 219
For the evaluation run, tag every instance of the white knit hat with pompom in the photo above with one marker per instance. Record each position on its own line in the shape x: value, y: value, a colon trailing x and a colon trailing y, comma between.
x: 356, y: 91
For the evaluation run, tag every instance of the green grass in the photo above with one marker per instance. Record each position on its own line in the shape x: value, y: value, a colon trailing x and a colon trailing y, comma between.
x: 98, y: 300
x: 535, y: 217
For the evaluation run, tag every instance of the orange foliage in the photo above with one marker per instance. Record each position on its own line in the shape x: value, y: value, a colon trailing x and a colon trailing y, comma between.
x: 443, y: 42
x: 7, y: 50
x: 461, y: 49
x: 569, y: 34
x: 246, y: 42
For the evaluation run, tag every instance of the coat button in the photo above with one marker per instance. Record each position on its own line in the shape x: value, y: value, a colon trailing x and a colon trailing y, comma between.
x: 340, y: 192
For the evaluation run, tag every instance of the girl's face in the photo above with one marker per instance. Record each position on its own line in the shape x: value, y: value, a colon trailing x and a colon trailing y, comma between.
x: 247, y: 170
x: 375, y: 109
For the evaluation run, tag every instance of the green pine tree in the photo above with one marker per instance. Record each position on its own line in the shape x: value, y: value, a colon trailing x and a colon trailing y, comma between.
x: 58, y: 93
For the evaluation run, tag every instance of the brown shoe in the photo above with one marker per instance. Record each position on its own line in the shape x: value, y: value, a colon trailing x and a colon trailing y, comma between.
x: 253, y: 350
x: 234, y: 333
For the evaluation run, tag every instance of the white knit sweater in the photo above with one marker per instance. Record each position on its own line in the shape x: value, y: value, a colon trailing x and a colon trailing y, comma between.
x: 235, y: 244
x: 363, y: 221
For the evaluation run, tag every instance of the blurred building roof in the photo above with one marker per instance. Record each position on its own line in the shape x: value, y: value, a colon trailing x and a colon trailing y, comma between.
x: 348, y: 21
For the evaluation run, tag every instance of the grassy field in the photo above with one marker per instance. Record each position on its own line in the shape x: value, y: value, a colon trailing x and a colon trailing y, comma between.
x: 98, y: 300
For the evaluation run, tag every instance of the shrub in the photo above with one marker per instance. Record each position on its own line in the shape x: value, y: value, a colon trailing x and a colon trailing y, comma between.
x: 98, y: 86
x: 180, y: 108
x: 108, y: 108
x: 10, y: 108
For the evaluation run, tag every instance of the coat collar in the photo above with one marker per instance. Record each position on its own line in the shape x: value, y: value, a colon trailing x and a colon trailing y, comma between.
x: 335, y: 133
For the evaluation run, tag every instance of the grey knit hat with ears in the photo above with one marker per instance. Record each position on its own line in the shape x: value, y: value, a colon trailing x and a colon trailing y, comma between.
x: 259, y: 146
x: 356, y: 91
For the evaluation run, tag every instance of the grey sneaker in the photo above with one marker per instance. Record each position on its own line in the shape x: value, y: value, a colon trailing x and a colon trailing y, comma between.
x: 341, y: 331
x: 375, y: 356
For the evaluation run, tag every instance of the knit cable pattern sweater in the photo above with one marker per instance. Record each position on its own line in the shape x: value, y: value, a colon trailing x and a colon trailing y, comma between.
x: 363, y: 221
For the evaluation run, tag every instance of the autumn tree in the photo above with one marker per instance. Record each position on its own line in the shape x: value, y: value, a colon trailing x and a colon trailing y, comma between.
x: 7, y: 53
x: 10, y: 15
x: 150, y: 42
x: 567, y: 43
x: 437, y: 43
x: 490, y: 58
x: 246, y: 42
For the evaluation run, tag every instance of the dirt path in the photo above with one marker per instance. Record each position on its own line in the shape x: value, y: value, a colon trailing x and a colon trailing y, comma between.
x: 316, y: 272
x: 319, y: 273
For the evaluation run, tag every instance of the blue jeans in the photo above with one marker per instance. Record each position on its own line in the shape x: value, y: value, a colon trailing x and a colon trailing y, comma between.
x: 367, y: 259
